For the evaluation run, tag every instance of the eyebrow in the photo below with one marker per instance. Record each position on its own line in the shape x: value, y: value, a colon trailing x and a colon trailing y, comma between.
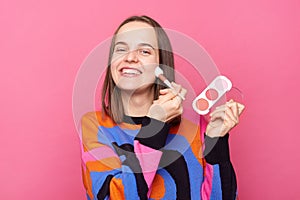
x: 140, y: 44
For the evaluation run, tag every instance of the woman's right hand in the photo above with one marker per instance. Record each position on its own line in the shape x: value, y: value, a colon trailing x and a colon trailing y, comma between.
x: 168, y: 105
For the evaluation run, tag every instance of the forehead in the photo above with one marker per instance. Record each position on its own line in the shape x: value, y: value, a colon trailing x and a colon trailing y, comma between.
x: 134, y: 33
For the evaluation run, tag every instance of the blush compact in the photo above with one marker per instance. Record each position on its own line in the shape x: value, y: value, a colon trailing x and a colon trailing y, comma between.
x: 211, y: 94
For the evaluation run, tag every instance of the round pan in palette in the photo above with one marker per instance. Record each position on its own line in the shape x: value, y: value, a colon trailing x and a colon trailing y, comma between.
x: 211, y: 94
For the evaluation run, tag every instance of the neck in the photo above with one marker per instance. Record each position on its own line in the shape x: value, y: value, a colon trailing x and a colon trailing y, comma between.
x: 137, y: 103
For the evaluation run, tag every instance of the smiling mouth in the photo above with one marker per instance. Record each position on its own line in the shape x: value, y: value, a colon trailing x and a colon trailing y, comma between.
x: 130, y: 72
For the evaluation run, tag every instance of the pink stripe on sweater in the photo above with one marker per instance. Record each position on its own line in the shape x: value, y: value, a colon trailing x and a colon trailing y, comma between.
x: 149, y: 159
x: 206, y: 187
x: 203, y: 125
x: 97, y: 154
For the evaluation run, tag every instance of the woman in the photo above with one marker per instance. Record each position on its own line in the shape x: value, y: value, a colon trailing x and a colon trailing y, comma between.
x: 138, y: 147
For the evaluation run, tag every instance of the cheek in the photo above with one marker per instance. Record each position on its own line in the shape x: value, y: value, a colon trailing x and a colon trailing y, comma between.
x: 117, y: 58
x: 150, y: 68
x: 113, y: 72
x: 150, y: 71
x: 113, y: 66
x: 115, y: 62
x: 151, y: 63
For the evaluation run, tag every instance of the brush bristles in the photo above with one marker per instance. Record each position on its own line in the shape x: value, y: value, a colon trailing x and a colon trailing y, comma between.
x: 158, y: 71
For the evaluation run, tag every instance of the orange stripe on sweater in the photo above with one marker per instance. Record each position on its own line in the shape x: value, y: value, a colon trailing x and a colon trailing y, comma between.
x: 191, y: 132
x: 158, y: 188
x: 106, y: 164
x: 116, y: 189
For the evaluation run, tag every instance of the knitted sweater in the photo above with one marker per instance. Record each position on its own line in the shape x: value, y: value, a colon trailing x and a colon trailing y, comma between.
x: 143, y: 158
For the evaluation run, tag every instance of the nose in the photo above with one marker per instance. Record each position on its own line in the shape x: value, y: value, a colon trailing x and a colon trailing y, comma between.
x: 132, y: 56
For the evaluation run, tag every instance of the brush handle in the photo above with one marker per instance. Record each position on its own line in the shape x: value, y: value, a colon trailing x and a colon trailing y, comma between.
x: 167, y: 82
x: 160, y: 74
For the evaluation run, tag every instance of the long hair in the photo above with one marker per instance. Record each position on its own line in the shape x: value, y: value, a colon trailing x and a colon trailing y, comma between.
x: 111, y: 96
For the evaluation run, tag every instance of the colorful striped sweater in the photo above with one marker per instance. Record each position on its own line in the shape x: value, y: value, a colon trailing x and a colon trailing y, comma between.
x: 142, y: 158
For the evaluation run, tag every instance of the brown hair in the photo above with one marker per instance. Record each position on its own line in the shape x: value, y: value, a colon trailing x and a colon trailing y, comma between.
x: 111, y: 96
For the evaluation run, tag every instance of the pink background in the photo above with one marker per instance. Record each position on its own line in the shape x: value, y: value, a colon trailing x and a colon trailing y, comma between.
x: 43, y: 44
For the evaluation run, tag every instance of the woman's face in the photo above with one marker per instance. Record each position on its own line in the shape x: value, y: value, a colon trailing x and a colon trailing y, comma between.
x: 135, y: 57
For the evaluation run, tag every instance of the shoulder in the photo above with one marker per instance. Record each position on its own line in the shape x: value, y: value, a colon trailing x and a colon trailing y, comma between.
x: 90, y: 123
x: 188, y: 123
x: 188, y: 129
x: 96, y: 118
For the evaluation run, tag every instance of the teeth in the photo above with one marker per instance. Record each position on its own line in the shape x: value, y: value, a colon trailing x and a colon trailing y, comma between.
x: 130, y: 71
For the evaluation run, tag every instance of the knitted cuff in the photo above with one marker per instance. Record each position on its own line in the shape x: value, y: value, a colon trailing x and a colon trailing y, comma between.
x: 216, y: 149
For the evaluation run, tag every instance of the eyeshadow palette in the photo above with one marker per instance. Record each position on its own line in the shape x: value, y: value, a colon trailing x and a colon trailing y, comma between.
x: 211, y: 94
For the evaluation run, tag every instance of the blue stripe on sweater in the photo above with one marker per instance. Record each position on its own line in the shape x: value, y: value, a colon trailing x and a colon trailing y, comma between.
x: 216, y: 192
x: 180, y: 144
x: 129, y: 183
x: 98, y: 179
x: 88, y: 197
x: 116, y: 134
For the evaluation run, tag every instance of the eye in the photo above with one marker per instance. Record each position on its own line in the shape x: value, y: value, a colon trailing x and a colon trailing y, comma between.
x: 145, y: 51
x: 120, y: 49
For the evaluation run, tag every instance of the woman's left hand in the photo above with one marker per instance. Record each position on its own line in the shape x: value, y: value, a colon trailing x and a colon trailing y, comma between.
x: 224, y: 118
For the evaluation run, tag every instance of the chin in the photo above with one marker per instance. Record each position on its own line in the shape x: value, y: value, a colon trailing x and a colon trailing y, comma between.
x: 133, y: 86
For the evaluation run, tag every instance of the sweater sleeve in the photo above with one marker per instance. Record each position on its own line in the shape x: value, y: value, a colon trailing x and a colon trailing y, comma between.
x: 219, y: 168
x: 114, y: 170
x: 102, y: 170
x: 153, y: 133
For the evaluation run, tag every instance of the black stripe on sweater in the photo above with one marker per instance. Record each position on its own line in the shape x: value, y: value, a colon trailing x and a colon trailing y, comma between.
x: 175, y: 164
x: 217, y: 152
x: 104, y: 190
x: 133, y: 163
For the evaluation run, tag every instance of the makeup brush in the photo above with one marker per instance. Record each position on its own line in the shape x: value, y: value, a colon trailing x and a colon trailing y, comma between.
x: 160, y: 74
